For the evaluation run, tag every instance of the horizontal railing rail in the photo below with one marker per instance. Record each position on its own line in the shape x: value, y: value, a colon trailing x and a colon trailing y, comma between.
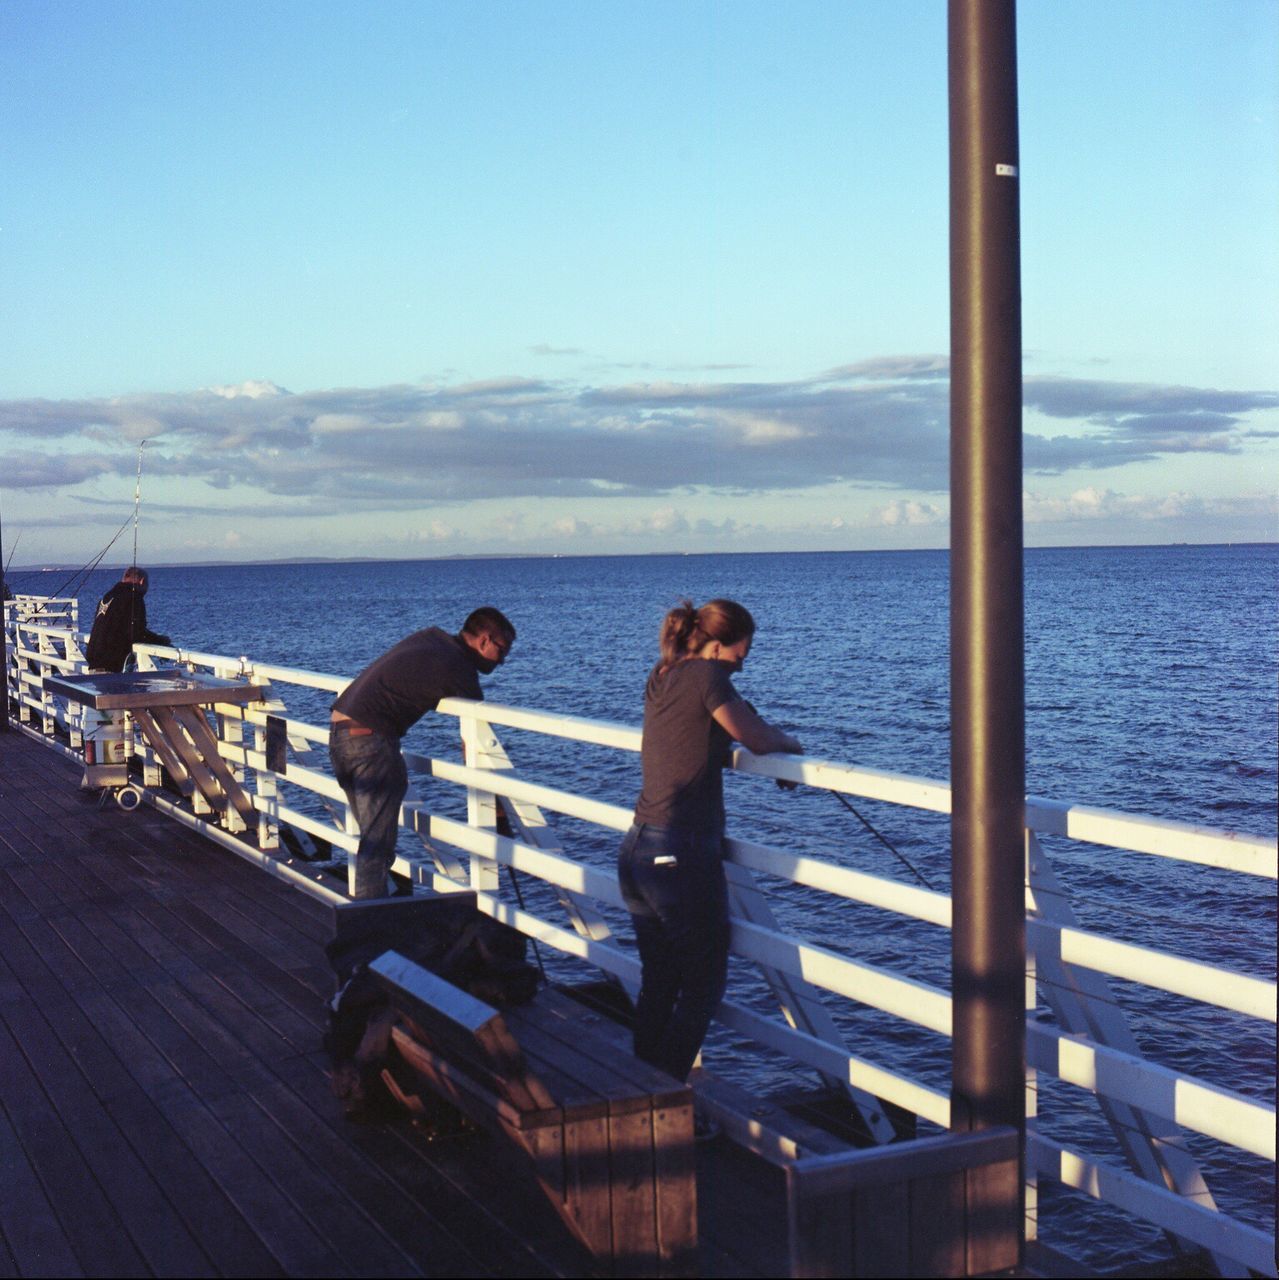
x: 1096, y: 1068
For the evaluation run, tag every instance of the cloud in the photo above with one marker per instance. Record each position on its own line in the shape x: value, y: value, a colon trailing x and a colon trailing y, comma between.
x: 1135, y: 422
x: 666, y: 520
x: 1110, y: 403
x: 501, y: 387
x: 877, y: 423
x: 909, y: 512
x: 254, y: 389
x: 435, y: 531
x: 544, y: 349
x: 44, y: 471
x: 891, y: 367
x: 1092, y: 504
x: 572, y: 527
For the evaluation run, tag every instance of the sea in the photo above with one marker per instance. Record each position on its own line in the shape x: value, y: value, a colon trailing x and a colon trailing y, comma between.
x: 1152, y: 687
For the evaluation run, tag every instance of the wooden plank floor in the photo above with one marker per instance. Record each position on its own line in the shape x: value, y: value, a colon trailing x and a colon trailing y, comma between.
x: 164, y: 1108
x: 163, y: 1104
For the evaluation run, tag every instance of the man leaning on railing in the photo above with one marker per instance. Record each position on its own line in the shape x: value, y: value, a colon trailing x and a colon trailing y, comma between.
x: 381, y: 704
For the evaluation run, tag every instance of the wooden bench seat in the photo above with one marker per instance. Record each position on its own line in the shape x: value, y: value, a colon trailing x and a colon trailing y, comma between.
x: 609, y: 1138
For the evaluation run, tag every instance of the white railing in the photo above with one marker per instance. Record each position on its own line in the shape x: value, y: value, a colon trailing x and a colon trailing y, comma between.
x: 1091, y: 1048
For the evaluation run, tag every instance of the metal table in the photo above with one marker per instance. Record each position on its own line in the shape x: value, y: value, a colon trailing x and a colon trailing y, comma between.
x: 169, y: 709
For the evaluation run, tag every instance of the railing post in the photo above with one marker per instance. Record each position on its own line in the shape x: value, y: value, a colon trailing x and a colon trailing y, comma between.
x: 481, y: 806
x: 4, y: 646
x: 1030, y: 1175
x: 48, y: 708
x: 351, y: 828
x: 264, y: 782
x: 19, y: 670
x: 5, y: 613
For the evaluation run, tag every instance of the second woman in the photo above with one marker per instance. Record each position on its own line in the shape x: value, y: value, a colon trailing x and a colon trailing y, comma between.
x: 670, y: 865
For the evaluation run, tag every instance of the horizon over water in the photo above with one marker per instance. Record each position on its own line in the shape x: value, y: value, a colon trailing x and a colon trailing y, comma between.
x: 1152, y: 687
x: 117, y: 566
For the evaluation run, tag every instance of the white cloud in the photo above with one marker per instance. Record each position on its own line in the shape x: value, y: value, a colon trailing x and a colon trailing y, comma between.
x: 435, y: 531
x: 667, y: 520
x: 907, y: 511
x: 758, y: 429
x: 1093, y: 504
x: 571, y: 527
x: 253, y: 389
x: 332, y: 424
x: 891, y: 367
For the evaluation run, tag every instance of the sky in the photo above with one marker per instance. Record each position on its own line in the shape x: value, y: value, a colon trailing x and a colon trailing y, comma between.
x: 422, y: 279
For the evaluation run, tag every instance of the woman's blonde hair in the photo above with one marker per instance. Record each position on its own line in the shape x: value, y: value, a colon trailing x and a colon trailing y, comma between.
x: 686, y: 629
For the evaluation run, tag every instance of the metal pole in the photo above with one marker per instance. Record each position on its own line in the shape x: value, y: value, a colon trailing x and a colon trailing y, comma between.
x: 988, y: 764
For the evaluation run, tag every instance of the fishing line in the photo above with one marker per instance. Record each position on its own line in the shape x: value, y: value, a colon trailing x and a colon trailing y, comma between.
x: 519, y: 897
x: 901, y: 857
x: 81, y: 575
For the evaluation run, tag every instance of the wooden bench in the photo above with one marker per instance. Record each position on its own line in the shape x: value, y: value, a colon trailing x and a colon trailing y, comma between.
x: 609, y: 1138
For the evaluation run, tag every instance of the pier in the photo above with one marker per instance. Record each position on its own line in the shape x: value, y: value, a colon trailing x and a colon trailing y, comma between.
x: 165, y: 1106
x: 165, y: 988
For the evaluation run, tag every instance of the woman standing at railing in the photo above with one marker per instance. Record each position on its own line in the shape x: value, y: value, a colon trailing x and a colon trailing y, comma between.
x: 670, y: 865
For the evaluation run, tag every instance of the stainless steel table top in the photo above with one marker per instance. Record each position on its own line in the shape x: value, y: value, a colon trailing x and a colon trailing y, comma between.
x: 128, y: 690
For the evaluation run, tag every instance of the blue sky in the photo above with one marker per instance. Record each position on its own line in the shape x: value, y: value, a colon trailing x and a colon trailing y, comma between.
x: 440, y: 278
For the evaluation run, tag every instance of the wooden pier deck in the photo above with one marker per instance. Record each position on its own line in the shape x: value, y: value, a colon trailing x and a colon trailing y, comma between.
x: 164, y: 1108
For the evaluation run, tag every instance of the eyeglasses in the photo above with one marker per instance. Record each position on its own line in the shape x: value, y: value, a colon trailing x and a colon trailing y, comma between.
x: 501, y: 646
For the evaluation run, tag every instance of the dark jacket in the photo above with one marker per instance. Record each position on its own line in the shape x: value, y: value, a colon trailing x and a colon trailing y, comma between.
x: 396, y: 690
x: 119, y: 624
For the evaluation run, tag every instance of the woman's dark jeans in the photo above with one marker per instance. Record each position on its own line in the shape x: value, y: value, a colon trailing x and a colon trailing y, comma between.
x: 370, y: 769
x: 672, y: 879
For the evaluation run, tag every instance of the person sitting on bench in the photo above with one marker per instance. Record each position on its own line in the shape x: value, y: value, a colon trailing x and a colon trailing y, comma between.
x: 121, y: 622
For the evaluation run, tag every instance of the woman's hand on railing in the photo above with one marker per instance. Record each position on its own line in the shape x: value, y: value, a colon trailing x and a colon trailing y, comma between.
x: 745, y: 725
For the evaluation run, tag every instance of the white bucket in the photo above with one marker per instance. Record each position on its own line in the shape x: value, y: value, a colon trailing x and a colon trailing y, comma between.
x: 105, y: 737
x: 106, y: 748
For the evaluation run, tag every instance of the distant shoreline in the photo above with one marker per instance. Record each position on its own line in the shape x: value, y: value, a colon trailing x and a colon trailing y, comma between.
x: 66, y: 567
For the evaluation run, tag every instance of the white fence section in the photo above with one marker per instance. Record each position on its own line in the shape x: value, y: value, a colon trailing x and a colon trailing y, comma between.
x: 1091, y: 1048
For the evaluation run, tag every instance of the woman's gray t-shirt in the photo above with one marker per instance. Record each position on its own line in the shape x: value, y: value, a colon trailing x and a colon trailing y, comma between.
x: 684, y: 751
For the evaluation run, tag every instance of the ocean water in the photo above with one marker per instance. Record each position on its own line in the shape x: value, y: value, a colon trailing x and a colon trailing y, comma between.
x: 1152, y: 677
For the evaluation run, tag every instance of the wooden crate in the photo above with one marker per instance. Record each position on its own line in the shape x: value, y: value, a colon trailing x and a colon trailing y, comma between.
x: 942, y: 1206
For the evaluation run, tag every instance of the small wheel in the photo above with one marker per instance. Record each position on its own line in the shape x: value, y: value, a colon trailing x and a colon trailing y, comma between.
x: 128, y: 798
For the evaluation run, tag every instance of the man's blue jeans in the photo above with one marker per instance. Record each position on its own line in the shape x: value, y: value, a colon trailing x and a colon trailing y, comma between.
x: 370, y: 769
x: 673, y: 882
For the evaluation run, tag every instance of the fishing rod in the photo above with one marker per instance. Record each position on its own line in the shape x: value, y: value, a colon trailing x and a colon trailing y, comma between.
x: 82, y: 575
x: 137, y: 502
x: 897, y: 853
x: 12, y: 551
